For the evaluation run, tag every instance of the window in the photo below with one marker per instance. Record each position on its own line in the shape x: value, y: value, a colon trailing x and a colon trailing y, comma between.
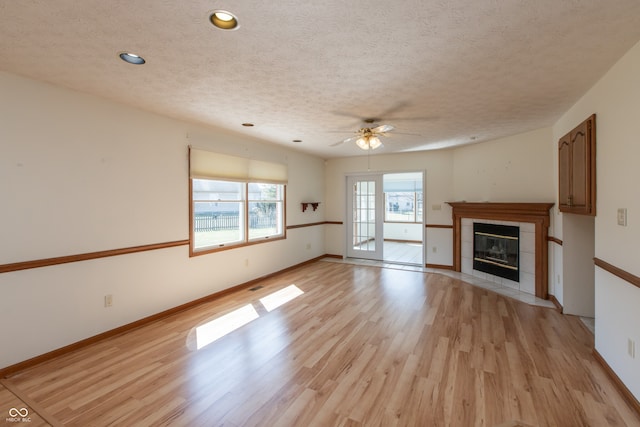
x: 403, y: 197
x: 403, y: 206
x: 227, y: 213
x: 266, y: 207
x: 218, y: 217
x: 234, y: 201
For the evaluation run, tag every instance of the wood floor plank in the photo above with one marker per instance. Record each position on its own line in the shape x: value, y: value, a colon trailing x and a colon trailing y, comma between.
x: 362, y: 346
x: 15, y: 411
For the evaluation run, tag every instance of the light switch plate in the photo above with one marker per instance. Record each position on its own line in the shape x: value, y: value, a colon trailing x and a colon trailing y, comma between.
x: 622, y: 217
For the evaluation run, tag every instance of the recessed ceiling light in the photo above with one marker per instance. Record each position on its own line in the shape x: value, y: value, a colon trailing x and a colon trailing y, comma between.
x: 248, y: 124
x: 224, y: 20
x: 132, y: 58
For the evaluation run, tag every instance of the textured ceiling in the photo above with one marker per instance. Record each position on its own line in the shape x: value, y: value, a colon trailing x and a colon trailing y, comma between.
x: 447, y: 71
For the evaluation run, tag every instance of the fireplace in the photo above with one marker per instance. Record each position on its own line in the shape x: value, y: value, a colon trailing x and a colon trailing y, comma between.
x: 496, y: 250
x: 532, y: 219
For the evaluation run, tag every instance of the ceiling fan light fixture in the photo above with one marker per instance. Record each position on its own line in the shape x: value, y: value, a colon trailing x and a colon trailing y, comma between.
x: 374, y: 142
x: 368, y: 142
x: 224, y: 20
x: 362, y: 143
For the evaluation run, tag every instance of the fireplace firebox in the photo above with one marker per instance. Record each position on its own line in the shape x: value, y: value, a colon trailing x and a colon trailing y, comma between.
x: 496, y: 250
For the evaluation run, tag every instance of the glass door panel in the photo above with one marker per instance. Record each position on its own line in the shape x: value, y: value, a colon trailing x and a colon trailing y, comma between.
x: 364, y: 224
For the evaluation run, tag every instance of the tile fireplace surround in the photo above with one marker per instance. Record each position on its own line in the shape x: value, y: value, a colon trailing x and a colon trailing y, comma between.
x: 533, y: 220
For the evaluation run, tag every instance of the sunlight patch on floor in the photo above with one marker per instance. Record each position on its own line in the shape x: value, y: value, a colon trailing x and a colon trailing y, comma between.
x: 217, y: 328
x: 283, y: 296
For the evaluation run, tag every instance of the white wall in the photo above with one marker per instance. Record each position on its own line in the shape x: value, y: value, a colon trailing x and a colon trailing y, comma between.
x: 513, y: 169
x: 616, y: 101
x: 578, y: 290
x: 400, y: 231
x: 80, y: 174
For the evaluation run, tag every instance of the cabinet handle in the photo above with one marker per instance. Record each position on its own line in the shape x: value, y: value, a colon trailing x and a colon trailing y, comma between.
x: 570, y: 201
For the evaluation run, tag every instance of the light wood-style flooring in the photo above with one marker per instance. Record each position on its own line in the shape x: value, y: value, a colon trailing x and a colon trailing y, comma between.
x: 362, y: 346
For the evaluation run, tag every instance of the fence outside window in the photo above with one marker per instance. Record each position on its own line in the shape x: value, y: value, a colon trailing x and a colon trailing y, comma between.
x: 220, y: 221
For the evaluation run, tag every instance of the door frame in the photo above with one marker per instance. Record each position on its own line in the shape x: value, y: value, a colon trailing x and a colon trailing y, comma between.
x: 380, y: 208
x: 377, y: 254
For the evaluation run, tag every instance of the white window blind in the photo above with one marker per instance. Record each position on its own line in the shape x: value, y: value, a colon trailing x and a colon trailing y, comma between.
x: 210, y: 165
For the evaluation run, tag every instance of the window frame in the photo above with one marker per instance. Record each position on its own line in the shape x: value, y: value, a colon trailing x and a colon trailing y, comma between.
x: 245, y: 202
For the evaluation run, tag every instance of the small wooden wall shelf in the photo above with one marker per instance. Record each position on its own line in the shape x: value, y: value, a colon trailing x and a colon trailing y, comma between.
x: 305, y: 205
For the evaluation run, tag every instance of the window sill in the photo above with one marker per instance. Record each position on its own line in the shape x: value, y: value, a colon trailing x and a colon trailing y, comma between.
x: 212, y: 249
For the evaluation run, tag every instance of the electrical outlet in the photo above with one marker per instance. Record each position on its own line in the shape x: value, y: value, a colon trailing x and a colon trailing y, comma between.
x: 434, y: 249
x: 308, y: 246
x: 108, y: 300
x: 246, y: 262
x: 631, y: 348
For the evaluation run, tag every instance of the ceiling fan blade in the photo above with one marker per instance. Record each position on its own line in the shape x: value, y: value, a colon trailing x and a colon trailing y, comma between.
x: 382, y: 129
x: 400, y: 118
x: 394, y: 109
x: 347, y: 114
x: 353, y: 138
x: 405, y: 133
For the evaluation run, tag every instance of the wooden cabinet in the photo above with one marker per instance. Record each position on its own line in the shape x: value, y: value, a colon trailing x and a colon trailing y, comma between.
x: 577, y: 169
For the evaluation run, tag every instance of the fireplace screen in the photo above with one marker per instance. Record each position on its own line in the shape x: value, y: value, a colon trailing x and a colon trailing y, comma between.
x: 496, y: 250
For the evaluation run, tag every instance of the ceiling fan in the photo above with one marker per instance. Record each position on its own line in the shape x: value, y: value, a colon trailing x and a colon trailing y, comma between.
x: 368, y: 138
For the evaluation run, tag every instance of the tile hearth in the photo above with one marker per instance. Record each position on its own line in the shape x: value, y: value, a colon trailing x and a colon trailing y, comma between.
x: 472, y: 280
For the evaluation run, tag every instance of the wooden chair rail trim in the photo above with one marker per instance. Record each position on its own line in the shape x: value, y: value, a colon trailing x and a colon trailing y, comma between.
x: 626, y: 393
x: 554, y: 240
x: 290, y: 227
x: 46, y: 262
x: 20, y: 366
x: 624, y: 275
x: 25, y: 265
x: 402, y: 241
x: 311, y: 224
x: 439, y: 266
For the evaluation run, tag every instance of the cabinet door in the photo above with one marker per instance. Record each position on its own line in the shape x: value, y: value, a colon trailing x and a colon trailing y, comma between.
x: 579, y: 166
x: 577, y: 169
x: 564, y: 163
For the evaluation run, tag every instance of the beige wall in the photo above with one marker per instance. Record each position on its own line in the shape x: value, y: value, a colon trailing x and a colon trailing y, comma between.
x: 616, y: 101
x: 81, y: 174
x: 514, y: 169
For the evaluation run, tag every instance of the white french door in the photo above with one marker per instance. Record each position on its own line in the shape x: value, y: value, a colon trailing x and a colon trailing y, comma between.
x: 365, y: 219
